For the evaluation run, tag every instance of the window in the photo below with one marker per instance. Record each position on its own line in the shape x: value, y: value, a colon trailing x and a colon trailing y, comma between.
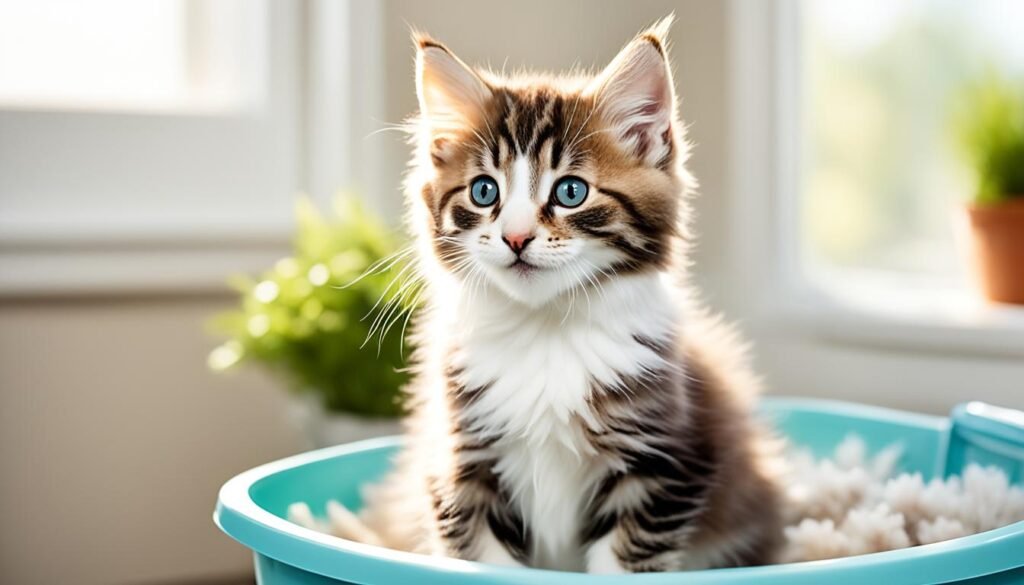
x: 146, y: 144
x: 125, y: 54
x: 880, y: 175
x: 820, y: 324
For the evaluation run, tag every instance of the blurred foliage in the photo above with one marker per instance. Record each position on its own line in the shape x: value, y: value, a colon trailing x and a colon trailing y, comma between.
x: 311, y: 318
x: 989, y: 123
x: 880, y: 170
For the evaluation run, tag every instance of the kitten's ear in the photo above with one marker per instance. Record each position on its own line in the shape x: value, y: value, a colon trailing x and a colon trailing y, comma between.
x: 636, y: 96
x: 450, y: 93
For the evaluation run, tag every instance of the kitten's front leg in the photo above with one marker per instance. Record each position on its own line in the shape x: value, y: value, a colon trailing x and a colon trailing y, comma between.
x: 602, y: 559
x: 474, y: 519
x: 641, y: 522
x: 490, y: 551
x: 625, y: 550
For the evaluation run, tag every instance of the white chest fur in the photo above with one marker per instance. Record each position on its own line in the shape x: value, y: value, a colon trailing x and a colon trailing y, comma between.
x: 539, y: 367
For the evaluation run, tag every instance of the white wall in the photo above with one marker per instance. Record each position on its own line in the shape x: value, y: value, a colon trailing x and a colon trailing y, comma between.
x: 114, y: 439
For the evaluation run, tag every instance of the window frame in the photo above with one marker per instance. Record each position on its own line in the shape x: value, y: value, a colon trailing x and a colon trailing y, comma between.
x: 764, y: 183
x: 310, y: 46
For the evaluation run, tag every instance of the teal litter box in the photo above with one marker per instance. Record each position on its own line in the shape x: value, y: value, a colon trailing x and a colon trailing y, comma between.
x: 252, y: 506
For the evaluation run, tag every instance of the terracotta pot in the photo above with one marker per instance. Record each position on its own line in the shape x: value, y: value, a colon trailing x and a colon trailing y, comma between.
x: 995, y: 239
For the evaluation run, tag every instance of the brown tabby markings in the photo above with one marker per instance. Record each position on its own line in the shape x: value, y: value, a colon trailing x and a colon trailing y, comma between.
x: 682, y: 482
x: 553, y: 126
x: 473, y: 495
x: 561, y: 130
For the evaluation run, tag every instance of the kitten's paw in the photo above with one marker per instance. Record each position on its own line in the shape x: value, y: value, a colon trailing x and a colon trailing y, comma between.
x: 345, y: 524
x: 495, y: 553
x: 602, y: 560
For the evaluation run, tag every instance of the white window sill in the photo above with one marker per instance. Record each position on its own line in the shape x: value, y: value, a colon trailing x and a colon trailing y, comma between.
x: 895, y: 314
x: 135, y: 259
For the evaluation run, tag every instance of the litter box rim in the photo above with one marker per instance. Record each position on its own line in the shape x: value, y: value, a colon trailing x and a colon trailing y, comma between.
x: 238, y: 515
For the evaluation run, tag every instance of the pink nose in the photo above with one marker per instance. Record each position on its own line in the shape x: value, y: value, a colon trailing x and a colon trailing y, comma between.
x: 517, y: 242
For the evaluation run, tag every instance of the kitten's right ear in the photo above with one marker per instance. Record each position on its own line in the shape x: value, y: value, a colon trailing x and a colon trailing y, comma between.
x: 636, y: 95
x: 450, y: 93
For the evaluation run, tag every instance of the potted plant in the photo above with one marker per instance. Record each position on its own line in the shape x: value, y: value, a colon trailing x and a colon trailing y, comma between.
x: 990, y: 128
x: 319, y: 319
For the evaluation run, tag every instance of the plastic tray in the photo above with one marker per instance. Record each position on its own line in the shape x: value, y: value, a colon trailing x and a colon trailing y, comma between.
x: 252, y: 507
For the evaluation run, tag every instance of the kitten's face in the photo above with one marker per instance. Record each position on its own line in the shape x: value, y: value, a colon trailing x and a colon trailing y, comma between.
x: 541, y: 186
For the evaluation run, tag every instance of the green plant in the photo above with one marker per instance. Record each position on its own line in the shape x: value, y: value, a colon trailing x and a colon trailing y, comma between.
x: 990, y: 127
x: 311, y: 318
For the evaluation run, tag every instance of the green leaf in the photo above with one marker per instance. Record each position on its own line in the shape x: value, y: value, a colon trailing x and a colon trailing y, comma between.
x: 988, y: 122
x: 303, y: 319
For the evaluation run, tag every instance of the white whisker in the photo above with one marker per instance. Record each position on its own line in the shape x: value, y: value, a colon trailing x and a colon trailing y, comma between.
x: 375, y: 268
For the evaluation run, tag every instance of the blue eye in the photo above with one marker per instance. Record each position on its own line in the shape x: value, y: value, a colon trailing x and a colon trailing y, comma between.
x: 484, y: 191
x: 571, y: 191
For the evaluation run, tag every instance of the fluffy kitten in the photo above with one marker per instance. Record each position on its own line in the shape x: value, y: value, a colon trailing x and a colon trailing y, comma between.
x: 571, y: 408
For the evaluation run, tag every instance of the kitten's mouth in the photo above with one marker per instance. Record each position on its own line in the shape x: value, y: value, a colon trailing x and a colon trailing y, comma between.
x: 522, y: 267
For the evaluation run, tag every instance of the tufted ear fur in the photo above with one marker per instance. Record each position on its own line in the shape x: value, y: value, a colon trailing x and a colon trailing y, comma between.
x: 451, y: 95
x: 636, y: 97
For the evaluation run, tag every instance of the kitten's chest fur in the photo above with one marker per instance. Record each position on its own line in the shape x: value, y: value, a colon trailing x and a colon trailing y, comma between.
x: 539, y: 373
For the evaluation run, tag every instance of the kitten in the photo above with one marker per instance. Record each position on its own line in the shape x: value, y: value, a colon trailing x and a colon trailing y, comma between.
x: 572, y: 409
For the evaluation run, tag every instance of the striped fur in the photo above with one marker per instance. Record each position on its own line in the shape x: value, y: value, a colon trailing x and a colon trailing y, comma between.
x: 572, y: 408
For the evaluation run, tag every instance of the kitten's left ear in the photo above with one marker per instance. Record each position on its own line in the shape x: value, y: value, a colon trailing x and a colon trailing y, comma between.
x: 449, y: 91
x: 636, y: 97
